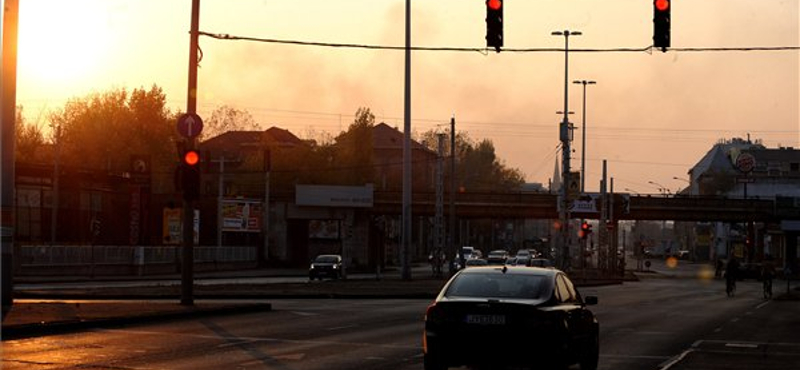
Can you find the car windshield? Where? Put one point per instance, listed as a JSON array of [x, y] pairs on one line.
[[492, 285], [326, 259]]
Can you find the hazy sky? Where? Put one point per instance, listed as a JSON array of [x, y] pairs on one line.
[[651, 115]]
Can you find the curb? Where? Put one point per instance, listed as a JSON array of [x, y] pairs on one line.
[[60, 327]]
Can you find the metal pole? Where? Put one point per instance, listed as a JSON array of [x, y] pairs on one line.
[[583, 142], [187, 266], [8, 108], [220, 187], [267, 171], [565, 151], [56, 186], [405, 247], [452, 220]]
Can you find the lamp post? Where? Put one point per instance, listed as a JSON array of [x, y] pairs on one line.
[[661, 188], [564, 133], [583, 133], [632, 191]]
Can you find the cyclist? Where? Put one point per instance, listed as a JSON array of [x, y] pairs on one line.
[[767, 274], [731, 272]]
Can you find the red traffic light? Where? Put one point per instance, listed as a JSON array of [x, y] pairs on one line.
[[662, 5], [191, 157], [494, 4]]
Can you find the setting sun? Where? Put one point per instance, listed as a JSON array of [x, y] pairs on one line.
[[62, 44]]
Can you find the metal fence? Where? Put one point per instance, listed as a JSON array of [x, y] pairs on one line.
[[65, 255]]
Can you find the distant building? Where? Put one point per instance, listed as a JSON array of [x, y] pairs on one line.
[[741, 168], [776, 172]]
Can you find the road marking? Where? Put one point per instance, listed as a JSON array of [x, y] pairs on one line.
[[675, 360], [261, 339], [763, 304], [301, 313], [741, 345], [235, 343], [642, 357]]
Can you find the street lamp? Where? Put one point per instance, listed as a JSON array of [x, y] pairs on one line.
[[632, 191], [564, 135], [583, 133], [661, 188]]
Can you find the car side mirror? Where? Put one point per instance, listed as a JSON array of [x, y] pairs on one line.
[[590, 300]]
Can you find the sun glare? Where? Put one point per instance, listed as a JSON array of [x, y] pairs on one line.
[[61, 43]]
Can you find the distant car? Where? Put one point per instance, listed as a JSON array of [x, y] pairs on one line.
[[476, 262], [326, 265], [540, 262], [468, 252], [526, 310], [497, 257]]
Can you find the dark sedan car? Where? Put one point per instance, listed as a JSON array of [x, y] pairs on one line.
[[534, 312], [326, 265]]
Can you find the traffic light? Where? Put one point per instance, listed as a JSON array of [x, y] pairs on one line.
[[190, 174], [494, 24], [661, 24], [585, 231]]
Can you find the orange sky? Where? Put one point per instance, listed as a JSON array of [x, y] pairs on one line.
[[652, 116]]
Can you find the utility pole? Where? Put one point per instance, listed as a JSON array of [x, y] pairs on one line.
[[565, 129], [8, 110], [187, 265], [267, 170], [405, 244], [452, 220], [221, 190], [439, 218]]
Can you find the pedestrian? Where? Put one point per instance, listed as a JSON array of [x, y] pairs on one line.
[[731, 273]]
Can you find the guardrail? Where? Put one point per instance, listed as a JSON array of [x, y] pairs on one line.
[[79, 255]]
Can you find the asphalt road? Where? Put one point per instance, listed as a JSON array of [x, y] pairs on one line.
[[655, 324]]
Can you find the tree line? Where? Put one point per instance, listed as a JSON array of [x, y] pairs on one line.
[[101, 131]]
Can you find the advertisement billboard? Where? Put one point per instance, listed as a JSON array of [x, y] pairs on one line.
[[242, 215]]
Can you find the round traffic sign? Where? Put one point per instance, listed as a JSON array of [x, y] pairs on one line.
[[745, 162], [190, 125]]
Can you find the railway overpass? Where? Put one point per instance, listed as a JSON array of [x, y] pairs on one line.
[[625, 207]]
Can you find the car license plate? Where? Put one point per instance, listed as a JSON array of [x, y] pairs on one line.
[[486, 319]]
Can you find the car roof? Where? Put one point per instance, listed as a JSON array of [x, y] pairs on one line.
[[516, 270]]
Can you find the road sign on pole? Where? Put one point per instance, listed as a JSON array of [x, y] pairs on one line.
[[190, 125]]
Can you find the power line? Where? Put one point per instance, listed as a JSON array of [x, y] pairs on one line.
[[648, 49]]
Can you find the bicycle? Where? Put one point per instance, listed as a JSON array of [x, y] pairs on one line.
[[730, 287]]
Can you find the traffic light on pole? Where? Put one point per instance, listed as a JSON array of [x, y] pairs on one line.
[[190, 174], [494, 24], [661, 24], [585, 231]]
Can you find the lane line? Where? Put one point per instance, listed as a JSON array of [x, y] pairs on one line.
[[675, 360]]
